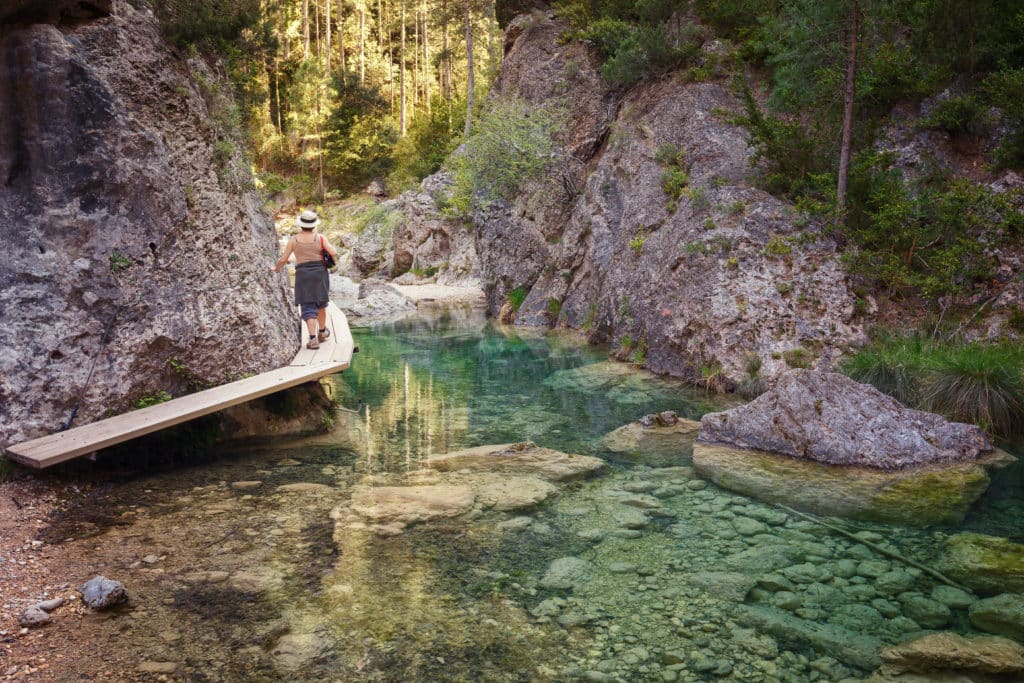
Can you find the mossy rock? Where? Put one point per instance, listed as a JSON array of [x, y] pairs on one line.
[[920, 496], [988, 564], [655, 446]]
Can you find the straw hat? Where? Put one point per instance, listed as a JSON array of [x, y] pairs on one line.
[[308, 220]]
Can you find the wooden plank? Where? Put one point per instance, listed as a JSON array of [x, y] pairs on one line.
[[60, 446]]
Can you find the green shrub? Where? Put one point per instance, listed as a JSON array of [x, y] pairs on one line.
[[511, 143], [962, 114], [640, 352], [380, 218], [207, 22], [516, 297], [637, 244], [797, 358], [783, 287], [554, 307], [777, 246], [712, 377], [119, 262], [1015, 320], [894, 367], [983, 385], [1004, 89], [152, 399]]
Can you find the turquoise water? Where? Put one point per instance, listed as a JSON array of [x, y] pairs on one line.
[[263, 572]]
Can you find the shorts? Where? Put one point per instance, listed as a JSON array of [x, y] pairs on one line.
[[312, 310]]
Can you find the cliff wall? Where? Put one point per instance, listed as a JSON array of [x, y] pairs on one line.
[[135, 248]]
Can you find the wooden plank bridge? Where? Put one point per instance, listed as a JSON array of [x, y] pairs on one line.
[[334, 355]]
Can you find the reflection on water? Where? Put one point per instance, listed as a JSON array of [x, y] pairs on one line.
[[264, 574]]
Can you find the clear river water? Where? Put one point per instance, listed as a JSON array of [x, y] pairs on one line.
[[241, 568]]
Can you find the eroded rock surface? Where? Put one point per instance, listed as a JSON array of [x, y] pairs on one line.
[[707, 279], [829, 418], [136, 248], [952, 652], [519, 458]]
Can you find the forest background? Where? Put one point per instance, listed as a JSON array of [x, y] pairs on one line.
[[333, 94]]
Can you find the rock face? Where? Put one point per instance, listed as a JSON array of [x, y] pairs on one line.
[[829, 418], [135, 248], [988, 564], [439, 247], [707, 279]]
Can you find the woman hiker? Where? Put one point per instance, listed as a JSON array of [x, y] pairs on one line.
[[311, 280]]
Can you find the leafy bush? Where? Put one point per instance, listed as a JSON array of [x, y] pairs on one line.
[[380, 218], [961, 114], [631, 37], [932, 240], [208, 22], [428, 142], [516, 297], [1004, 89], [512, 143], [358, 136]]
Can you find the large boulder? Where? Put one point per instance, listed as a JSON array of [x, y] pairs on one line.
[[829, 418], [824, 443], [919, 496], [133, 236], [988, 564]]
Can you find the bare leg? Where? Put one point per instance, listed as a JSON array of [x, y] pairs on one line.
[[321, 318], [311, 326]]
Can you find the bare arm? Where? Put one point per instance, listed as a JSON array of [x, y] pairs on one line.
[[285, 256]]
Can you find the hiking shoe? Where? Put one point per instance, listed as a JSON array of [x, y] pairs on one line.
[[323, 334], [313, 344]]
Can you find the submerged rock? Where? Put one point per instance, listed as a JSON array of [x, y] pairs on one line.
[[100, 592], [654, 442], [519, 458], [829, 418], [411, 504], [566, 573], [845, 645], [915, 497], [1002, 615], [988, 564], [938, 652]]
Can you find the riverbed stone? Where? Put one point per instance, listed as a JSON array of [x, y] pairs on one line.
[[730, 586], [512, 493], [925, 611], [894, 582], [630, 517], [938, 652], [828, 418], [659, 443], [745, 526], [566, 573], [847, 646], [952, 597], [921, 496], [988, 564], [806, 573], [1002, 615], [100, 593], [411, 504], [33, 616], [295, 650], [523, 458]]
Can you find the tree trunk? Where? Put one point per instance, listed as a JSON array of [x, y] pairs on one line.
[[447, 59], [362, 45], [401, 53], [391, 61], [416, 58], [305, 28], [428, 71], [341, 41], [327, 35], [849, 93], [469, 70]]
